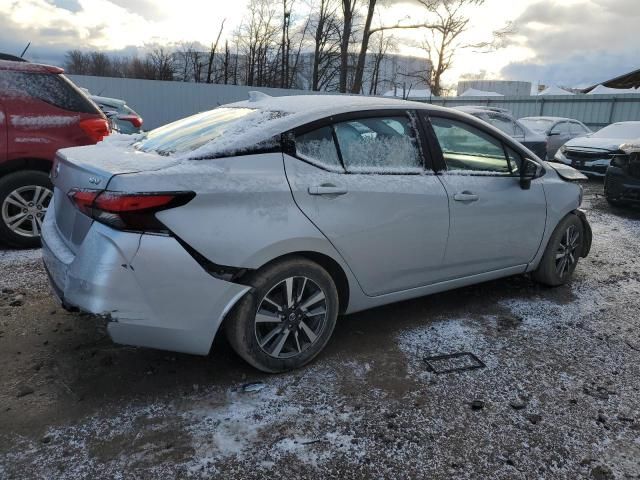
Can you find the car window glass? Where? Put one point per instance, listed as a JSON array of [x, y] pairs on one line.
[[503, 123], [515, 160], [54, 89], [562, 128], [578, 129], [379, 145], [467, 148], [318, 148]]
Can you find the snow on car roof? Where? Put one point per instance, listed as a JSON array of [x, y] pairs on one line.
[[28, 67]]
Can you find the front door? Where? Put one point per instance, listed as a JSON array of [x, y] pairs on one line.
[[362, 182], [495, 224]]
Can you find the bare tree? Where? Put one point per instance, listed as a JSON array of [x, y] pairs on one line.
[[348, 15], [212, 52], [448, 24], [76, 62]]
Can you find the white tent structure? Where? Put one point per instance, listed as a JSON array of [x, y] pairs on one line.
[[555, 90], [472, 92], [602, 90]]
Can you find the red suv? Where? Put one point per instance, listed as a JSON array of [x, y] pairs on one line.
[[41, 111]]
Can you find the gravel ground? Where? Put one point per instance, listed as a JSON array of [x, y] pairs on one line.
[[557, 396]]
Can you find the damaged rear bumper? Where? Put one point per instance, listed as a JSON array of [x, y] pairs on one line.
[[153, 293]]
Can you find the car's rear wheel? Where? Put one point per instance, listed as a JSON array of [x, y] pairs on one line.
[[24, 199], [562, 254], [287, 318]]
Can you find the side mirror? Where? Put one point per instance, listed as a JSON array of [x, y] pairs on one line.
[[528, 171]]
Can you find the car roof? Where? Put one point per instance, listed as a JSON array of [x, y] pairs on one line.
[[326, 104], [28, 67]]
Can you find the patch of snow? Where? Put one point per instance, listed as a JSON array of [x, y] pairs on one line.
[[43, 121], [472, 92]]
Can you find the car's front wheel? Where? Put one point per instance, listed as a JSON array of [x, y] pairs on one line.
[[287, 318], [24, 199], [562, 254]]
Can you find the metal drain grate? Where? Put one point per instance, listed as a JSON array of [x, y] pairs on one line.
[[454, 362]]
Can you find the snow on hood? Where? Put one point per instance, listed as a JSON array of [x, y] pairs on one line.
[[631, 147], [596, 143]]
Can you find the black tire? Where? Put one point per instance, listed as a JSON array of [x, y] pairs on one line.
[[11, 183], [549, 271], [242, 330]]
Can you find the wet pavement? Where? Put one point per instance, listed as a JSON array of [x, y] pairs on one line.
[[555, 395]]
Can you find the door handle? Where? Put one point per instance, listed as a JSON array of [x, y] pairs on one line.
[[465, 196], [327, 189]]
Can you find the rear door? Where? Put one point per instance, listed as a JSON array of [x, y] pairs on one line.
[[494, 223], [361, 180]]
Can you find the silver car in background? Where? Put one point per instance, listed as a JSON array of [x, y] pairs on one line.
[[557, 130], [272, 216]]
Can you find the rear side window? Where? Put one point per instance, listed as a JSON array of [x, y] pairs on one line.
[[468, 149], [54, 89], [379, 145], [577, 128], [317, 147]]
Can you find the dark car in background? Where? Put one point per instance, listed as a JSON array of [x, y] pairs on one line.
[[41, 111], [592, 154], [124, 119], [557, 130], [622, 180], [504, 121]]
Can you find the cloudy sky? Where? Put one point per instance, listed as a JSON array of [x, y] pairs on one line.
[[564, 42]]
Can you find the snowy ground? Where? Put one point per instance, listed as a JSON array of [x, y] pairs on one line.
[[558, 396]]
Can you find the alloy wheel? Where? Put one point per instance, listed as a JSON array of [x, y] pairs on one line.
[[291, 317], [566, 254], [24, 208]]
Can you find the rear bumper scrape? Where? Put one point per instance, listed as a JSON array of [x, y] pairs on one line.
[[152, 292], [588, 234]]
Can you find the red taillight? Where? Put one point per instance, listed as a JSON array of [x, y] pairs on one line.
[[128, 211], [96, 128], [134, 119]]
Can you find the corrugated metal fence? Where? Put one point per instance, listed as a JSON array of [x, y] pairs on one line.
[[162, 102], [594, 110]]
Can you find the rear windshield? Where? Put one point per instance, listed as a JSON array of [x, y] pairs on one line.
[[539, 125], [51, 88], [193, 132], [619, 130]]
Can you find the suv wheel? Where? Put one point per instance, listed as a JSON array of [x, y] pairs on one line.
[[287, 318], [562, 254], [24, 199]]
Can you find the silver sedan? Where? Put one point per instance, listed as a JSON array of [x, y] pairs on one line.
[[273, 216]]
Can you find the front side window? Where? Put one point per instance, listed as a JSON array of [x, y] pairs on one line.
[[468, 149], [379, 145], [561, 128], [317, 147], [578, 129]]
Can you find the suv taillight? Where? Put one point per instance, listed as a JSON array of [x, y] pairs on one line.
[[128, 211], [96, 128], [133, 119]]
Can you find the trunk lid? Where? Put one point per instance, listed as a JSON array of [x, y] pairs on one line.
[[92, 167]]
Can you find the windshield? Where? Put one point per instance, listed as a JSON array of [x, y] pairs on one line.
[[619, 130], [193, 132], [539, 125]]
